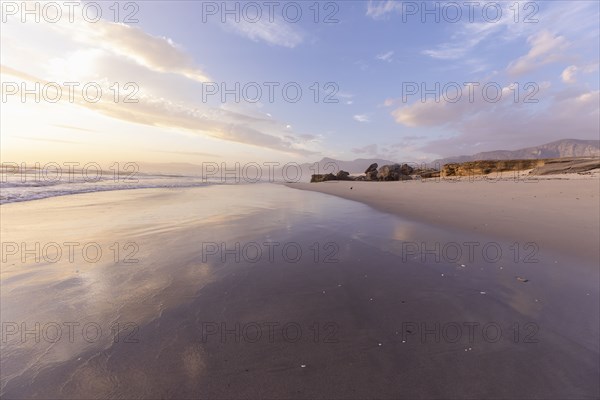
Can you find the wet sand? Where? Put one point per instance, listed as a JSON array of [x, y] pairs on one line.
[[360, 313]]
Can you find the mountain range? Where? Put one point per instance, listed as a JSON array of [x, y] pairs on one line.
[[557, 149]]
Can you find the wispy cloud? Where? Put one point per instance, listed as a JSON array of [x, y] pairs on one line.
[[568, 75], [387, 56], [545, 48], [274, 33], [361, 118], [187, 153], [379, 9], [74, 128], [347, 98]]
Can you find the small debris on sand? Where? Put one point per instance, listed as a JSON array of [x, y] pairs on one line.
[[521, 279]]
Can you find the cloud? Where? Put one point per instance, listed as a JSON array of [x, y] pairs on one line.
[[187, 153], [160, 112], [483, 126], [473, 101], [167, 82], [74, 128], [275, 33], [545, 48], [361, 118], [378, 9], [452, 51], [568, 75], [389, 102], [346, 96], [467, 34], [386, 56], [156, 53]]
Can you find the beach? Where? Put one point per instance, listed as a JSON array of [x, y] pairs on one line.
[[248, 291]]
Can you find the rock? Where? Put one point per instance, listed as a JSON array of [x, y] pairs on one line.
[[340, 176], [372, 167], [344, 176], [393, 173], [322, 178], [360, 178], [406, 169], [388, 172], [371, 176], [426, 173], [545, 166], [472, 168]]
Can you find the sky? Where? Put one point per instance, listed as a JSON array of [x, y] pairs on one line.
[[193, 82]]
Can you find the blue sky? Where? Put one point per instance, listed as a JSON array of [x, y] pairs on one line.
[[369, 51]]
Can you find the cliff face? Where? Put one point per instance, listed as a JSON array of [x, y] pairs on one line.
[[538, 167], [488, 167]]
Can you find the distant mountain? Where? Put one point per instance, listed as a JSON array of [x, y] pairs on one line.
[[558, 149]]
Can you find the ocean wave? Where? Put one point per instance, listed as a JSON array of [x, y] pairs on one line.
[[17, 191]]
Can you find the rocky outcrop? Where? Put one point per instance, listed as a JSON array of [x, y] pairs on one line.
[[404, 172], [395, 172], [386, 173], [392, 172], [389, 173], [488, 167], [426, 173], [372, 167], [340, 176], [371, 176], [343, 176], [322, 178], [537, 167]]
